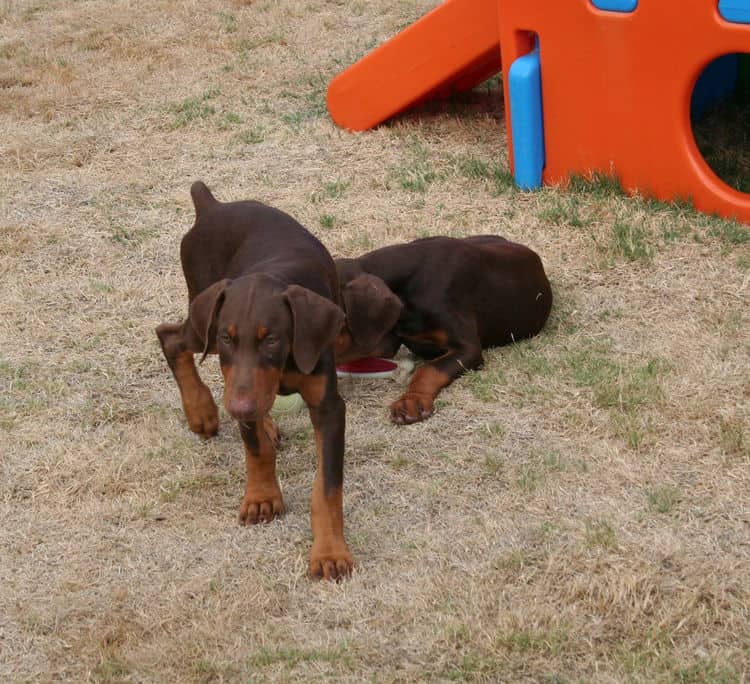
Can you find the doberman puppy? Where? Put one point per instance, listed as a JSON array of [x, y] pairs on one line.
[[453, 298], [263, 294]]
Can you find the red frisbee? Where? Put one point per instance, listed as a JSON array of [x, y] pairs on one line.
[[367, 368]]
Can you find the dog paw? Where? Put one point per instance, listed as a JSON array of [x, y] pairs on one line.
[[202, 414], [261, 509], [331, 562], [411, 408]]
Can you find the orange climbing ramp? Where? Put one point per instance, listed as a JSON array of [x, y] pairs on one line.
[[452, 48]]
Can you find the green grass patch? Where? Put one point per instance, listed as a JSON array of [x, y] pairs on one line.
[[494, 431], [534, 641], [467, 668], [563, 210], [529, 478], [632, 428], [247, 46], [416, 172], [291, 657], [228, 22], [335, 188], [251, 136], [492, 464], [495, 175], [14, 376], [112, 669], [663, 499], [733, 438], [484, 384], [307, 100], [398, 462], [360, 243], [632, 241], [599, 534], [327, 221], [130, 237], [528, 357], [502, 180], [534, 474], [703, 672], [730, 233], [228, 120], [193, 109], [613, 383], [599, 185]]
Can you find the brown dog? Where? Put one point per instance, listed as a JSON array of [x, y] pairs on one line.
[[445, 299], [262, 294]]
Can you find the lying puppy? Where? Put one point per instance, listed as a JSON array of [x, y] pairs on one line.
[[262, 294], [446, 299]]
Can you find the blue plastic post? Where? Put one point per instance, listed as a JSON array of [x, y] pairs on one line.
[[525, 84]]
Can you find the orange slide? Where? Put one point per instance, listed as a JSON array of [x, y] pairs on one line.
[[452, 48]]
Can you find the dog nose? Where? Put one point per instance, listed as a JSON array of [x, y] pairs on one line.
[[242, 407]]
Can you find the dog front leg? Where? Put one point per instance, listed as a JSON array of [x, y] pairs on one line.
[[417, 403], [197, 402], [263, 500], [330, 557]]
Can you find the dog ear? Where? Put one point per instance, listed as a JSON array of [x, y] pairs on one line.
[[316, 322], [371, 310], [202, 197], [204, 310]]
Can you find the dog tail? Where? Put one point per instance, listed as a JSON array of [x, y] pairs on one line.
[[202, 197]]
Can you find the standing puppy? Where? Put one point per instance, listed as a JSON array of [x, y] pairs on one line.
[[262, 294], [445, 299]]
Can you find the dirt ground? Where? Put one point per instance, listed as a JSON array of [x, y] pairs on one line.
[[575, 511]]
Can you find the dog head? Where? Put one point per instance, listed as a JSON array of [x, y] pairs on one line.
[[260, 328], [372, 311]]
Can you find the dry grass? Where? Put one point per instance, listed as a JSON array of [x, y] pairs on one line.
[[577, 511]]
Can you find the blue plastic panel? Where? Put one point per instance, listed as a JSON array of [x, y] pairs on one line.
[[735, 10], [525, 88], [615, 5]]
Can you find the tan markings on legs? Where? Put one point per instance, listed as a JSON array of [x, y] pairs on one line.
[[272, 430], [417, 402], [330, 557], [263, 501], [197, 402]]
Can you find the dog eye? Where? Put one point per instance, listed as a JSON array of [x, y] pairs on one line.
[[225, 338], [271, 341]]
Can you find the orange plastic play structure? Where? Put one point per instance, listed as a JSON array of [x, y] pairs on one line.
[[616, 86], [453, 48]]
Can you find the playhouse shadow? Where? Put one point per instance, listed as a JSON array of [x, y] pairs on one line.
[[486, 99]]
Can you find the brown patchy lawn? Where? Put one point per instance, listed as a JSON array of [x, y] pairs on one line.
[[576, 511]]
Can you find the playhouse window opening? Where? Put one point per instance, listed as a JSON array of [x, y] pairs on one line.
[[720, 118]]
